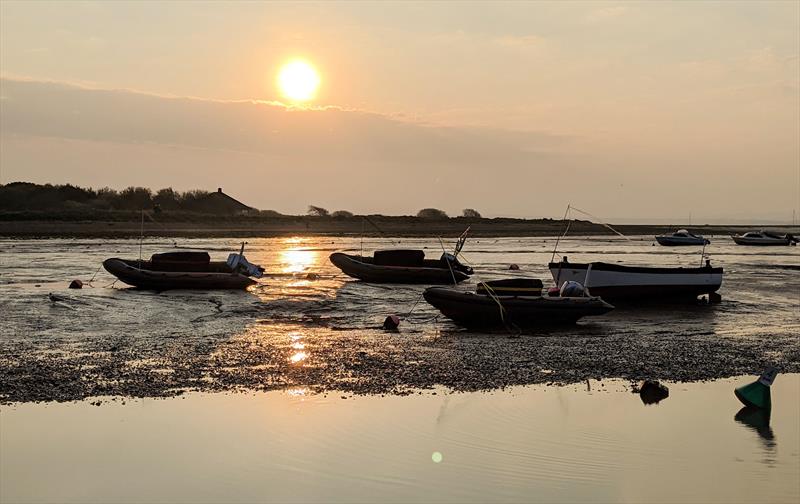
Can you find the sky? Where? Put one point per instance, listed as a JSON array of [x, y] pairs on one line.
[[630, 111]]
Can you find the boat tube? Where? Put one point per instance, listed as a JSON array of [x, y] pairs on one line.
[[471, 309], [402, 267], [183, 270]]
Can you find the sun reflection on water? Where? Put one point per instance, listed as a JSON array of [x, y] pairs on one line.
[[295, 259], [298, 357], [297, 344]]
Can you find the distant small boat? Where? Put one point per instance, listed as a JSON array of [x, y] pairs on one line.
[[184, 270], [402, 267], [639, 283], [764, 238], [511, 302], [681, 237]]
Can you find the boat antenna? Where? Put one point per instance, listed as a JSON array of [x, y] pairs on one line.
[[558, 237], [703, 253], [600, 221], [378, 229], [460, 242], [141, 237], [363, 225], [449, 266]]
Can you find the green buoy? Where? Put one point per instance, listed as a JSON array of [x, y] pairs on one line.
[[756, 394]]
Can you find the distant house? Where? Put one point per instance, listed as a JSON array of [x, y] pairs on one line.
[[221, 204]]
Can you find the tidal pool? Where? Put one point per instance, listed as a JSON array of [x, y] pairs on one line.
[[593, 442]]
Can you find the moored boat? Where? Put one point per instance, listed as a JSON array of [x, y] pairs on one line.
[[639, 283], [681, 237], [402, 267], [764, 238], [184, 270], [507, 305]]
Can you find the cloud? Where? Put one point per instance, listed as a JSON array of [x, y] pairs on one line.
[[321, 148], [604, 14]]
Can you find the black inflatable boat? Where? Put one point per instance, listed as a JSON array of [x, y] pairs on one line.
[[402, 267], [180, 270], [512, 302]]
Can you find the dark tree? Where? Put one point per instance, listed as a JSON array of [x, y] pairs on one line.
[[341, 214], [317, 211], [432, 213], [471, 213], [167, 199], [136, 198]]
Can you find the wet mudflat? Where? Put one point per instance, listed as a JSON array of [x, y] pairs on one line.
[[305, 325], [594, 442]]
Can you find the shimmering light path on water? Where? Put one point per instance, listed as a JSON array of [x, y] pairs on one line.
[[531, 444]]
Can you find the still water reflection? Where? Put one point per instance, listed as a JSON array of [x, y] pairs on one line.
[[533, 444]]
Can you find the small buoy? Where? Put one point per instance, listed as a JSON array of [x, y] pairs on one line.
[[391, 323], [513, 267], [76, 284], [312, 276], [653, 392], [756, 394]]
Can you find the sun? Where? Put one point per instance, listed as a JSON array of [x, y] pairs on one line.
[[298, 81]]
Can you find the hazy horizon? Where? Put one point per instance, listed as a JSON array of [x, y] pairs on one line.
[[632, 111]]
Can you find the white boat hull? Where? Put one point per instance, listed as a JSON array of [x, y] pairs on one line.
[[615, 282]]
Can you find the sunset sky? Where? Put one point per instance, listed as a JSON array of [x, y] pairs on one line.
[[627, 110]]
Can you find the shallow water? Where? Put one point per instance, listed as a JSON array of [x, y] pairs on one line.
[[320, 330], [592, 442]]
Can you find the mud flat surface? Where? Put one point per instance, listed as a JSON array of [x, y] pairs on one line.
[[319, 332]]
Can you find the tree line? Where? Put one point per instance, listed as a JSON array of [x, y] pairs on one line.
[[425, 213], [27, 196], [20, 196]]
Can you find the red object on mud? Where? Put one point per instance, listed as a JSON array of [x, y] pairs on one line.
[[391, 323], [76, 284]]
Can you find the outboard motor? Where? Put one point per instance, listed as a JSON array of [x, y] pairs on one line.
[[238, 263], [457, 266], [572, 288]]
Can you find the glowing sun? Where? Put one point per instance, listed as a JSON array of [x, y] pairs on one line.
[[298, 81]]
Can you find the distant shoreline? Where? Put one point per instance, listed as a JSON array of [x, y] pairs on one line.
[[305, 226]]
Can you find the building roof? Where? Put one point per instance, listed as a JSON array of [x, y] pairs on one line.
[[220, 203]]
